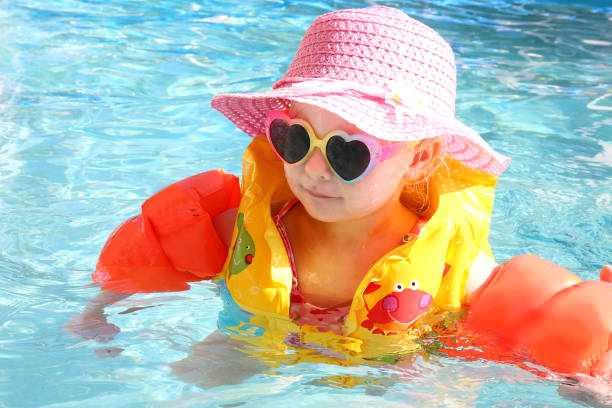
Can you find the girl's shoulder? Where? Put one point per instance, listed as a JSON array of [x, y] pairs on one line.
[[224, 222], [224, 225]]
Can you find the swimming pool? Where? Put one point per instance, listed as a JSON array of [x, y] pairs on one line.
[[102, 103]]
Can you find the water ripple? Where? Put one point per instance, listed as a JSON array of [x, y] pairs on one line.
[[102, 103]]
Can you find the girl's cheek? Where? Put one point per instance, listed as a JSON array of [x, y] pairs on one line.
[[374, 193], [291, 177], [290, 172]]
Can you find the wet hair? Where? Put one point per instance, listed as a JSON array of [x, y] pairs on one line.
[[415, 194]]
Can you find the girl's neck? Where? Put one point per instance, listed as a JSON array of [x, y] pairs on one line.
[[332, 258]]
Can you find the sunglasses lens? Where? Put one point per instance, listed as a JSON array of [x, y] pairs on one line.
[[291, 143], [348, 159]]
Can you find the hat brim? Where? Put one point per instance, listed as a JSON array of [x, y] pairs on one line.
[[373, 116]]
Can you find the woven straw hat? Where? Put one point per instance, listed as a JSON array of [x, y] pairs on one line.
[[390, 75]]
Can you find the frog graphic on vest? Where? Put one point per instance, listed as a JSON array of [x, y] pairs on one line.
[[244, 249]]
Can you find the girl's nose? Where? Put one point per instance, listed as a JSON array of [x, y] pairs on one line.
[[316, 166]]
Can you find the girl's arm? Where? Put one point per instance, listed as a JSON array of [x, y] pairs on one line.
[[218, 360], [181, 236], [91, 323], [481, 270], [563, 322], [224, 224]]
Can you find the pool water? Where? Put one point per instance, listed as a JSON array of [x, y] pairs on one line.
[[102, 103]]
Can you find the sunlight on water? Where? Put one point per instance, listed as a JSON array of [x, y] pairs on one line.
[[102, 103]]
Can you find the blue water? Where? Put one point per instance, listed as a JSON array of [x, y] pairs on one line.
[[102, 103]]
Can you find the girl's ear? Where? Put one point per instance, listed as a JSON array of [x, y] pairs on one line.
[[423, 158]]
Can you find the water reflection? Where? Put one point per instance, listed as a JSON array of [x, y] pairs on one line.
[[104, 103]]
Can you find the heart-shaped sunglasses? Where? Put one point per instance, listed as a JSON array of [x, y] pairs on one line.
[[350, 157]]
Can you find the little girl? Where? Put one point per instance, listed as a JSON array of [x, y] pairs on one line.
[[364, 210]]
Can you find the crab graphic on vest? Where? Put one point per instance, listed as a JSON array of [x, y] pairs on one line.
[[399, 298]]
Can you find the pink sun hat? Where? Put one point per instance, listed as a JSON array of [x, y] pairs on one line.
[[390, 75]]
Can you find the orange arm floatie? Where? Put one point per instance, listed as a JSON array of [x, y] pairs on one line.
[[534, 305], [173, 241]]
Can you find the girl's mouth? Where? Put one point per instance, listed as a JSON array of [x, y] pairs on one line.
[[317, 194]]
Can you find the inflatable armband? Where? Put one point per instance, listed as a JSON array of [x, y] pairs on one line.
[[173, 241], [536, 306]]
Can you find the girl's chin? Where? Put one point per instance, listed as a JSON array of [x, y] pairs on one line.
[[324, 211], [328, 211], [334, 210]]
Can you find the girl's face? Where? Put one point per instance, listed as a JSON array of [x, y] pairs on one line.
[[325, 196]]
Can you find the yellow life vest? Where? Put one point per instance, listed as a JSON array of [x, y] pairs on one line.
[[437, 263]]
